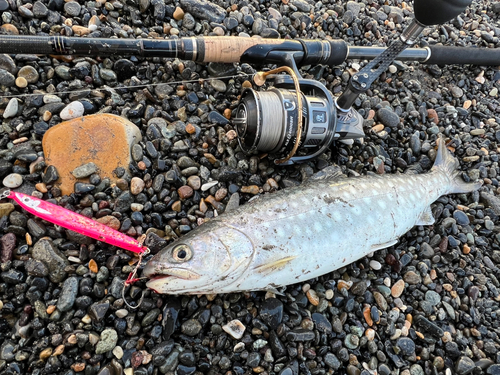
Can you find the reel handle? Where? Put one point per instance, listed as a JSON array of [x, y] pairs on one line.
[[435, 12]]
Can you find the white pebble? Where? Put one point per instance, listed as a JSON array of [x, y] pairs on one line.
[[13, 180], [392, 69], [239, 347], [122, 313], [86, 319], [50, 98], [208, 185], [329, 294], [72, 110], [129, 371], [235, 328], [11, 109], [118, 352], [136, 207], [375, 265]]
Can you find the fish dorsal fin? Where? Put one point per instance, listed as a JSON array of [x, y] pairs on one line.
[[380, 246], [267, 268], [330, 172], [426, 217]]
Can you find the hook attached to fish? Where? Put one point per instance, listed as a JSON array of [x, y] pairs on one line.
[[83, 225]]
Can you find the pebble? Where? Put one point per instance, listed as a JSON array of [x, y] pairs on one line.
[[68, 294], [107, 341], [234, 328], [137, 185], [388, 117], [191, 327], [28, 73], [72, 8], [11, 109], [398, 288], [13, 180], [84, 170], [72, 110]]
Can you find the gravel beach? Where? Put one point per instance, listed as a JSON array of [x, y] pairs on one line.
[[428, 305]]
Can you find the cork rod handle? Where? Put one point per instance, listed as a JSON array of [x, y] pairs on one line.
[[228, 49]]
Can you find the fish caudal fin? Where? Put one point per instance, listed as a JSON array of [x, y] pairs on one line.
[[446, 163]]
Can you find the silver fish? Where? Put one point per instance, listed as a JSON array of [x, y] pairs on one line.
[[302, 232]]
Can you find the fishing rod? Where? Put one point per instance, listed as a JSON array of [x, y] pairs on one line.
[[297, 119], [236, 49]]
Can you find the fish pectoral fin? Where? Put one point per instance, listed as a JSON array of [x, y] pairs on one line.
[[275, 265], [272, 289], [426, 218], [380, 246]]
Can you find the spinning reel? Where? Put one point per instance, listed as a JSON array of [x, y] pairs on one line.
[[298, 119]]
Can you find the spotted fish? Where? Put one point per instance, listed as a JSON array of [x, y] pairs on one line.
[[302, 232]]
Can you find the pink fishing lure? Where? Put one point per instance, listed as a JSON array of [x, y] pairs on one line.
[[76, 222]]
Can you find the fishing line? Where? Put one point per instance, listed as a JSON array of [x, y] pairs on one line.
[[242, 75]]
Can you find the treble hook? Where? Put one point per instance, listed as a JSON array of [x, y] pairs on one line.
[[132, 279]]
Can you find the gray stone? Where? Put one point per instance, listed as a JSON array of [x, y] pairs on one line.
[[72, 8], [68, 294], [40, 10], [56, 262], [191, 327], [388, 117], [107, 342], [6, 78], [406, 345], [464, 366], [302, 5], [332, 361], [432, 297], [204, 10], [7, 63], [115, 288], [84, 170]]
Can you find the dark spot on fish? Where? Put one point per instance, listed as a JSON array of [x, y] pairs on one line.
[[278, 210], [268, 247]]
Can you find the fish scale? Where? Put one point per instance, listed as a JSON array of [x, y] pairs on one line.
[[303, 232]]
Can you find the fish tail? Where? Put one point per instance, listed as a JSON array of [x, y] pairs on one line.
[[446, 163]]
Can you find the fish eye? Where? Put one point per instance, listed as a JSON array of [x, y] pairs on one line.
[[182, 253]]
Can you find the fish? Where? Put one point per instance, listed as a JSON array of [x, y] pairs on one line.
[[299, 233]]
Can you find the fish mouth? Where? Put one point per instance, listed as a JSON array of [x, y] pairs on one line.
[[178, 273]]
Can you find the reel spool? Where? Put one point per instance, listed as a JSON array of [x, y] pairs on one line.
[[267, 121]]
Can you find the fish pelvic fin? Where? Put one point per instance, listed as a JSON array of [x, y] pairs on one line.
[[446, 163], [380, 246], [426, 217]]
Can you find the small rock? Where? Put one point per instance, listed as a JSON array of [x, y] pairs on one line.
[[11, 109], [397, 288], [136, 185], [13, 180], [191, 327], [72, 110], [235, 328], [84, 170], [29, 73], [464, 366], [107, 342], [68, 294]]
